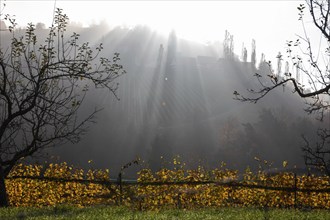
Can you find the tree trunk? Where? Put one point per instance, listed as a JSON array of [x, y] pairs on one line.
[[3, 191]]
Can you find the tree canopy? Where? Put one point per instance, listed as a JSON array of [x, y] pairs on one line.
[[42, 86]]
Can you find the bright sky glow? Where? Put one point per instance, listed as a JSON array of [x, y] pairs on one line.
[[270, 23]]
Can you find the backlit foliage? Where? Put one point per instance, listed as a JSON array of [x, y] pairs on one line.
[[37, 192], [148, 194]]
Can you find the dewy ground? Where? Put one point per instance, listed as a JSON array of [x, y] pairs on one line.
[[102, 212]]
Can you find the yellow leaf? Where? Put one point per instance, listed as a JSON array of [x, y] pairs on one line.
[[285, 163]]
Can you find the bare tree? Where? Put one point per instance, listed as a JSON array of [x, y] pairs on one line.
[[42, 87], [314, 67], [318, 155]]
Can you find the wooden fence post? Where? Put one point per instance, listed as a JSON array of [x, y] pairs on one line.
[[295, 190], [120, 182], [179, 200], [266, 206]]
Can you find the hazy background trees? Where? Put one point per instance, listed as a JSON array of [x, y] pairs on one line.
[[185, 114], [177, 100]]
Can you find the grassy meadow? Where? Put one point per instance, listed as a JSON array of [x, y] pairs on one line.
[[124, 213]]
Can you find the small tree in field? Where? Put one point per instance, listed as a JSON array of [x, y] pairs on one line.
[[314, 67], [42, 86]]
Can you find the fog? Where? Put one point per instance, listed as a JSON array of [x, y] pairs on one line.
[[177, 99]]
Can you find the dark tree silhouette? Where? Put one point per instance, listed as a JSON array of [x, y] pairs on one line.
[[312, 67], [42, 87], [160, 148]]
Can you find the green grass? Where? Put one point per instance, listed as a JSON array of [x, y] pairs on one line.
[[114, 213]]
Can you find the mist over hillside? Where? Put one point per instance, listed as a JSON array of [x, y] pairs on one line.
[[177, 99]]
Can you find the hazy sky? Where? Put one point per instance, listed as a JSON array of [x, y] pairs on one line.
[[271, 23]]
